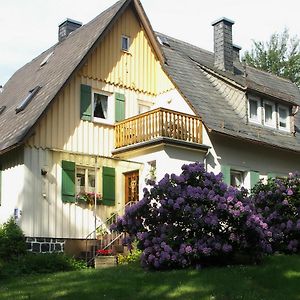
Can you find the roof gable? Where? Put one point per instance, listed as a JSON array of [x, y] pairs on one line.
[[68, 57]]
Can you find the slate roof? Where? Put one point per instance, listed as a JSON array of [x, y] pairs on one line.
[[186, 64], [67, 57]]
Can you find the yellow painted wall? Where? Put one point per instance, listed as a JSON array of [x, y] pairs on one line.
[[139, 69], [137, 75]]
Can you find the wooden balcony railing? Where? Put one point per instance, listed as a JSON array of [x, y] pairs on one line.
[[160, 122]]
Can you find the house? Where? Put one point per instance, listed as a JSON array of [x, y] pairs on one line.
[[113, 104]]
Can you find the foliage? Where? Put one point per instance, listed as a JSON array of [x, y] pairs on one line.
[[88, 198], [276, 278], [12, 240], [39, 263], [193, 219], [278, 201], [133, 256], [280, 56]]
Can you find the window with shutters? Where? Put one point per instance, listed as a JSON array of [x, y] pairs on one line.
[[85, 180], [101, 106], [237, 178]]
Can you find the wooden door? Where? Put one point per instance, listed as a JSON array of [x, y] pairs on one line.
[[131, 186]]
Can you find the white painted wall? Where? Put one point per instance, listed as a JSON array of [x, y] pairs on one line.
[[12, 184]]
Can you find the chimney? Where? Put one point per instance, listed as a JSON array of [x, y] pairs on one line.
[[236, 53], [223, 44], [66, 27]]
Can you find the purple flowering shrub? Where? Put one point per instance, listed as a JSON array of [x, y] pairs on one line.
[[193, 219], [278, 202]]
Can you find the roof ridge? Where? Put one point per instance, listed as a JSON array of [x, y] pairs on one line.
[[269, 73], [183, 42]]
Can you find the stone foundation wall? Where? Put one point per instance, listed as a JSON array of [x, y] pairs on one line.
[[44, 245]]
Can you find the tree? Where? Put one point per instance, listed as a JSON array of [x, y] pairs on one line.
[[280, 56]]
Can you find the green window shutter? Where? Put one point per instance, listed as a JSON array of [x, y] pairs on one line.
[[85, 102], [108, 183], [120, 107], [254, 178], [226, 173], [68, 181]]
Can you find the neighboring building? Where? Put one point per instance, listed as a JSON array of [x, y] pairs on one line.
[[113, 104]]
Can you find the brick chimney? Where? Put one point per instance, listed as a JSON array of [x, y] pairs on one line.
[[236, 53], [223, 47], [66, 27]]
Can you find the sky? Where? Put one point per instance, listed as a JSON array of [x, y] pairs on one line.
[[28, 27]]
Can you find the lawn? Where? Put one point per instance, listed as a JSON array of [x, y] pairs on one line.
[[277, 278]]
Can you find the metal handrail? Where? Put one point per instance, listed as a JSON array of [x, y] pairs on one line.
[[107, 222]]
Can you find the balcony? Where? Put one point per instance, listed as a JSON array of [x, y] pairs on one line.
[[158, 123]]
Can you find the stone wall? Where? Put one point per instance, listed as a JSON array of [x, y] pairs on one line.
[[44, 245]]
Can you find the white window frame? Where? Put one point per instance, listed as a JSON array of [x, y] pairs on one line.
[[271, 124], [145, 104], [86, 180], [287, 121], [257, 120], [239, 172], [128, 42], [110, 108]]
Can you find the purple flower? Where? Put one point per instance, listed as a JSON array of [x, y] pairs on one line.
[[289, 192]]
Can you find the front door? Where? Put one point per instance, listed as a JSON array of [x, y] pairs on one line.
[[131, 186]]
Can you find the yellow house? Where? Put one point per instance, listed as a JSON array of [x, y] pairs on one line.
[[84, 125], [84, 122]]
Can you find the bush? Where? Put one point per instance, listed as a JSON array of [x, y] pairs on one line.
[[12, 240], [39, 263], [134, 256], [278, 202], [193, 219]]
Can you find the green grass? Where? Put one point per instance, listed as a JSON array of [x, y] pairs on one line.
[[278, 278]]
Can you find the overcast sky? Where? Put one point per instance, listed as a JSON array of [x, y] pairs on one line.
[[29, 27]]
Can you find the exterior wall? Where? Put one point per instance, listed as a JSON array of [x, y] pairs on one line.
[[44, 213], [138, 69], [12, 184], [235, 97], [247, 156], [168, 159]]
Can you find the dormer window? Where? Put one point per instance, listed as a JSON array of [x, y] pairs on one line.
[[125, 43], [254, 111], [283, 117], [269, 114]]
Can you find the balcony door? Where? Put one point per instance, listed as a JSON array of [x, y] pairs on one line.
[[131, 186]]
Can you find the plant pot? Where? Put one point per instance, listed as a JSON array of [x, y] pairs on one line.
[[102, 262]]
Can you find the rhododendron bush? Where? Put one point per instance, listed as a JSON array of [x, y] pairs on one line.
[[194, 219], [278, 202]]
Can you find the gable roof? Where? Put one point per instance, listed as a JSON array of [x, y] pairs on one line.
[[187, 65], [68, 56]]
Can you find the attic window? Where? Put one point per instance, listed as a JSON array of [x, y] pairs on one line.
[[125, 43], [2, 109], [28, 98], [46, 59], [163, 40]]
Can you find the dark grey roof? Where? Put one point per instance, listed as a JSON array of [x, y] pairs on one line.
[[67, 57], [186, 65]]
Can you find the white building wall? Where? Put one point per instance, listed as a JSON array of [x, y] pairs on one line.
[[12, 185]]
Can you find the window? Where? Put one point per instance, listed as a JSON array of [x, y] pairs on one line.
[[27, 99], [254, 111], [125, 43], [264, 112], [283, 117], [269, 114], [236, 178], [85, 180], [100, 106]]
